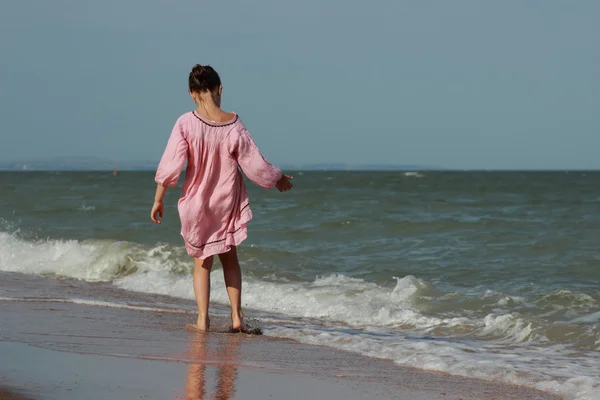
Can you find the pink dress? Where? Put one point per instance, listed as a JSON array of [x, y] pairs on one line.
[[213, 207]]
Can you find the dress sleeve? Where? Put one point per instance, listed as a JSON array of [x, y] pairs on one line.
[[173, 159], [249, 158]]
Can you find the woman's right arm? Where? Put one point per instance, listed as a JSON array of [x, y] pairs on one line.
[[169, 169], [173, 159]]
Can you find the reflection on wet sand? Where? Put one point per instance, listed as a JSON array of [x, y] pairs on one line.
[[225, 356]]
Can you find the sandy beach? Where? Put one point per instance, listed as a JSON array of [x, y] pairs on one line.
[[52, 348]]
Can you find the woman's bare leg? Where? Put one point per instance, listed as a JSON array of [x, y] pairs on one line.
[[202, 290], [233, 282]]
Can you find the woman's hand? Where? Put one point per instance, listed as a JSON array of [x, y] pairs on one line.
[[284, 184], [157, 208]]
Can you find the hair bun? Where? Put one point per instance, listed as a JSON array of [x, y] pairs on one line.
[[203, 78], [198, 69]]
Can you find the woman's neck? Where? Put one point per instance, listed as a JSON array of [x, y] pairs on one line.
[[212, 112], [209, 110]]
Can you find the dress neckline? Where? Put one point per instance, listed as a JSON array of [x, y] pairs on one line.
[[215, 123]]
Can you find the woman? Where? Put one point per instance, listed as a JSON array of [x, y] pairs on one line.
[[213, 207]]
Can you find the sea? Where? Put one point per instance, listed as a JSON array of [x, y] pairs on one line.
[[484, 274]]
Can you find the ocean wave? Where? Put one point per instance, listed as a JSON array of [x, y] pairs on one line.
[[89, 260], [336, 298], [406, 302], [544, 368], [593, 318], [508, 327], [568, 298]]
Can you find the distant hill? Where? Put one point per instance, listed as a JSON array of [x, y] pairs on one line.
[[99, 164], [74, 164]]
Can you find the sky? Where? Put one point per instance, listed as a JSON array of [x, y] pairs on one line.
[[453, 84]]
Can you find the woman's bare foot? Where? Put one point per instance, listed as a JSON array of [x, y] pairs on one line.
[[237, 321], [203, 324], [238, 326]]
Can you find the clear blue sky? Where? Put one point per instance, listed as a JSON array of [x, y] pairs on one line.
[[457, 84]]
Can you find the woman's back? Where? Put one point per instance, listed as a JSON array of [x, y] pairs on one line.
[[210, 162], [214, 207]]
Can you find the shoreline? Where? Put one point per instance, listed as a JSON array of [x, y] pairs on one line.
[[118, 349]]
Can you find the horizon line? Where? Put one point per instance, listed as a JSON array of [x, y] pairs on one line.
[[314, 169]]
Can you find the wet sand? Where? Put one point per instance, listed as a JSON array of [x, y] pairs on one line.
[[51, 349]]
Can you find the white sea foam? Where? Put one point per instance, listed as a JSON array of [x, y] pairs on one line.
[[510, 301], [90, 261], [352, 302], [510, 328], [540, 367], [414, 174]]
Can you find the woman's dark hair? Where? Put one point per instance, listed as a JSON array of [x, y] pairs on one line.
[[204, 77]]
